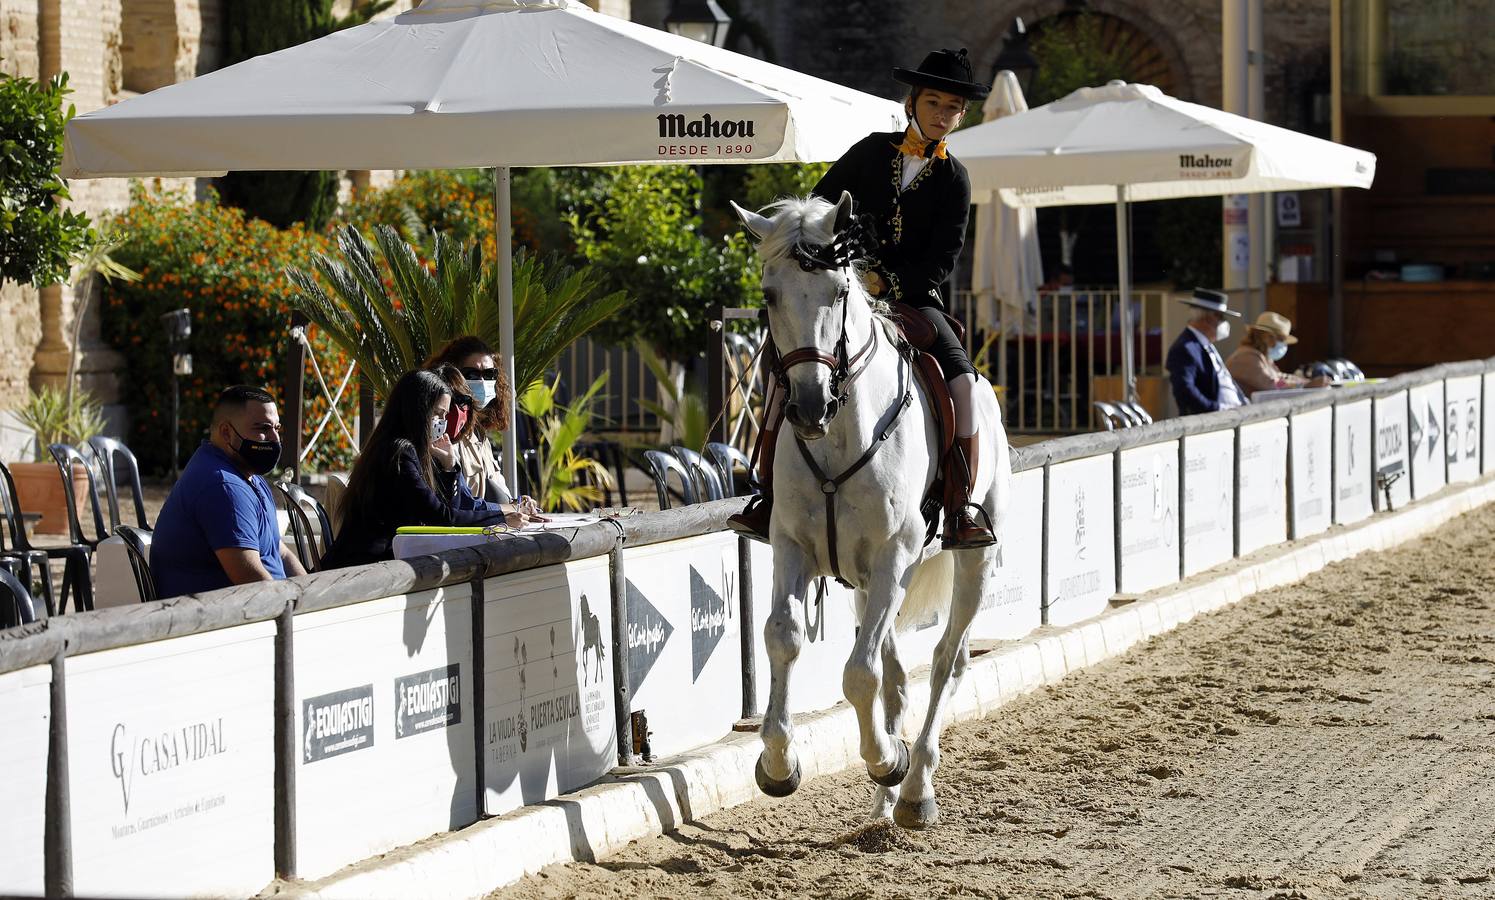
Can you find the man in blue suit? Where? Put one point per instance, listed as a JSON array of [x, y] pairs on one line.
[[1201, 383]]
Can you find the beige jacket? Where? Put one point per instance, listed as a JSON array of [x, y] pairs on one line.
[[476, 460], [1254, 372]]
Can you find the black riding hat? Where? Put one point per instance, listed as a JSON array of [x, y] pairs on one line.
[[944, 70]]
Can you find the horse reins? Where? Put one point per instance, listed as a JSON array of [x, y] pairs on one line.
[[845, 247]]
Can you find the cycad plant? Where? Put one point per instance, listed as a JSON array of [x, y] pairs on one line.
[[567, 479], [390, 317]]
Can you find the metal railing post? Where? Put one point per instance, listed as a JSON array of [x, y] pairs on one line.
[[745, 604], [716, 376], [57, 861], [293, 399], [622, 690], [285, 743]]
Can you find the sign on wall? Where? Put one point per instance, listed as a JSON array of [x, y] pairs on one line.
[[1393, 471], [170, 761], [1487, 451], [1311, 455], [1461, 413], [1148, 494], [1081, 539], [1261, 504], [26, 710], [1012, 605], [1426, 439], [685, 644], [1354, 469], [1209, 500], [384, 726], [548, 704]]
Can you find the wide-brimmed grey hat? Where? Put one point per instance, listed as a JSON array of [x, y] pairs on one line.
[[1214, 301]]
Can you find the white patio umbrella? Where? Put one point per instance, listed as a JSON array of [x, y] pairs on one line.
[[1007, 267], [1126, 142], [479, 83]]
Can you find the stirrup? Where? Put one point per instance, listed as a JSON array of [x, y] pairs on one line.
[[952, 541], [753, 521]]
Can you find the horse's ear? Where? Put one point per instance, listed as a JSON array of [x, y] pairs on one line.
[[757, 225], [843, 212]]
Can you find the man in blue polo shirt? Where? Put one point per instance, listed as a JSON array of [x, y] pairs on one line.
[[218, 527]]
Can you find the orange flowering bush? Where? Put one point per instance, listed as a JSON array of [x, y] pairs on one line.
[[458, 203], [229, 271]]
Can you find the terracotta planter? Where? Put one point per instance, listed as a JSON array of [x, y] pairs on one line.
[[39, 490]]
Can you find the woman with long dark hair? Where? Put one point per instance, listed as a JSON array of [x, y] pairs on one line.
[[490, 391], [402, 477]]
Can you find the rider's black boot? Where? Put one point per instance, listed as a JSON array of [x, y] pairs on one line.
[[962, 530], [753, 520]]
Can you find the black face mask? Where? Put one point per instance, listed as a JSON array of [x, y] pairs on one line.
[[261, 456]]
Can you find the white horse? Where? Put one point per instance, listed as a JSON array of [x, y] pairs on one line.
[[852, 400]]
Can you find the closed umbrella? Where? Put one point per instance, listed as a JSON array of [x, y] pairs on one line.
[[1126, 142], [479, 83], [1007, 265]]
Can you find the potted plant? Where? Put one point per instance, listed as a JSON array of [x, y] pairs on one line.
[[57, 416]]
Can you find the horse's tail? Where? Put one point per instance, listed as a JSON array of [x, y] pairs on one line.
[[929, 592]]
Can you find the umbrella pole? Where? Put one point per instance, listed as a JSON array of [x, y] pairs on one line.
[[503, 228], [1124, 287]]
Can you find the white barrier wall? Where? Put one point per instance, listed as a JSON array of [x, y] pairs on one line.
[[1261, 511], [1461, 413], [1147, 492], [26, 710], [1209, 500], [830, 627], [1487, 424], [1081, 539], [548, 699], [1311, 455], [1426, 435], [172, 766], [1392, 450], [684, 632], [1354, 469], [383, 687], [1013, 605]]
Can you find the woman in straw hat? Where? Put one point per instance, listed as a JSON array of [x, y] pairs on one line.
[[1253, 365], [918, 197]]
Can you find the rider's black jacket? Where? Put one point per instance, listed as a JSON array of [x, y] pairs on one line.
[[917, 249]]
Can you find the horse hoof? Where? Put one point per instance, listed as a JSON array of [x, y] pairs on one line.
[[773, 787], [915, 816], [895, 775]]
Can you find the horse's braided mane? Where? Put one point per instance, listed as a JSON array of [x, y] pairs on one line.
[[809, 220]]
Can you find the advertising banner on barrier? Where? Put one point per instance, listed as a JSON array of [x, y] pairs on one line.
[[1261, 489], [548, 699], [384, 726], [1427, 439], [1209, 500], [1081, 539], [1354, 472], [1147, 492], [1487, 429], [171, 760], [1013, 605], [26, 710], [830, 628], [1461, 413], [684, 633], [1311, 456], [1393, 478]]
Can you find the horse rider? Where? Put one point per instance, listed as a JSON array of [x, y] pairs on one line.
[[919, 198]]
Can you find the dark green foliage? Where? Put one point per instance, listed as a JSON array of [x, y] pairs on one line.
[[38, 238], [1189, 240], [1072, 54]]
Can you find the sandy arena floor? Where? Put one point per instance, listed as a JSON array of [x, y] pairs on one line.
[[1331, 739]]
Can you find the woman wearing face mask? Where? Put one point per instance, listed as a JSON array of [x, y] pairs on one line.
[[1253, 365], [399, 478], [478, 366]]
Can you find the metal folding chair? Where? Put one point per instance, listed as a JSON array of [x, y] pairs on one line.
[[661, 464], [1110, 416], [1138, 413], [113, 455], [140, 560], [727, 459], [708, 480]]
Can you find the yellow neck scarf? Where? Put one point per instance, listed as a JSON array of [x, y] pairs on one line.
[[914, 145]]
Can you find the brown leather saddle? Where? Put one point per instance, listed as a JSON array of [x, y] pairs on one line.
[[920, 336]]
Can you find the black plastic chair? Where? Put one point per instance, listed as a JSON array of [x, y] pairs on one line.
[[727, 459], [139, 555], [295, 501], [67, 457], [708, 479], [113, 456], [661, 464], [75, 557], [16, 606]]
